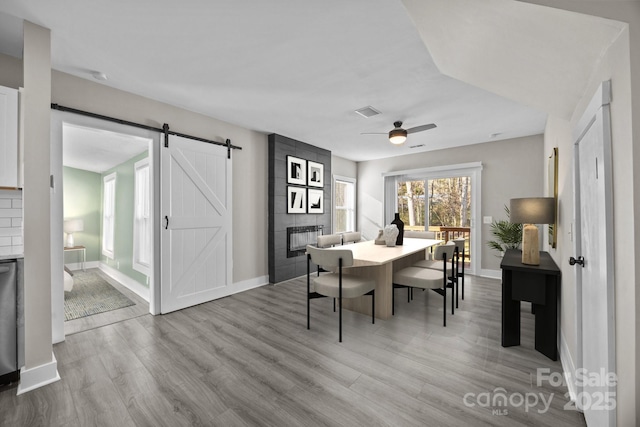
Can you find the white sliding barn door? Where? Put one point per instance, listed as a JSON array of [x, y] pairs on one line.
[[196, 223]]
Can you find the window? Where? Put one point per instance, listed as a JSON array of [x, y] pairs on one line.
[[108, 214], [142, 217], [344, 204]]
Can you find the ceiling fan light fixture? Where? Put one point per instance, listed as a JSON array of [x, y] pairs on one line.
[[397, 136]]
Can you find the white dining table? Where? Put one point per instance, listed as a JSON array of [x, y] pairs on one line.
[[379, 262]]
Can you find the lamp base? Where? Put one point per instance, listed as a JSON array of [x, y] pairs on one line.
[[530, 245], [70, 242]]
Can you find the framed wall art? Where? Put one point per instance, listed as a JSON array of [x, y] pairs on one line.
[[296, 200], [315, 174], [296, 171], [315, 200]]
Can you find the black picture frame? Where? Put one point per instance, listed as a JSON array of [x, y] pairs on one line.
[[315, 201], [296, 171], [315, 174], [296, 200]]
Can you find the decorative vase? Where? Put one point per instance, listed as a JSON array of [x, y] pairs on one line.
[[380, 239], [398, 222], [391, 234]]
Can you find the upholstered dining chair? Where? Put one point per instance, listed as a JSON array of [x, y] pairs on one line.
[[414, 234], [351, 237], [460, 242], [427, 278], [439, 264], [327, 241], [336, 285]]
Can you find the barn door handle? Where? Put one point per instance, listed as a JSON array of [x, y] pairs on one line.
[[166, 218], [574, 261]]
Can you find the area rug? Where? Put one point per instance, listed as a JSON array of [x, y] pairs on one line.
[[91, 295]]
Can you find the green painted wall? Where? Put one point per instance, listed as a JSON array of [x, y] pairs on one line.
[[123, 239], [82, 200]]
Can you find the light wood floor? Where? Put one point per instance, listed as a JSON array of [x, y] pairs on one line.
[[249, 360]]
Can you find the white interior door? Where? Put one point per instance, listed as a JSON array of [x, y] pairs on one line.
[[196, 224], [594, 209]]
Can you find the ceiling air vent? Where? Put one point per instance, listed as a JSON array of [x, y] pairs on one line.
[[416, 146], [367, 112]]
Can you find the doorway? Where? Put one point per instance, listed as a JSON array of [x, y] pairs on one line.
[[86, 154], [593, 207]]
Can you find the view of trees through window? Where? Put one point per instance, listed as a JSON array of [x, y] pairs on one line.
[[435, 202]]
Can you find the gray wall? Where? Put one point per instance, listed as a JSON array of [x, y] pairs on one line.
[[511, 168], [280, 267]]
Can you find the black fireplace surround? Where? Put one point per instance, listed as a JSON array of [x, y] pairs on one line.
[[283, 263]]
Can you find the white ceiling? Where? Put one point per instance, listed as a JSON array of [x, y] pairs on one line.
[[300, 69], [98, 150]]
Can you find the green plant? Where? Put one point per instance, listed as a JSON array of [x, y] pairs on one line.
[[507, 235]]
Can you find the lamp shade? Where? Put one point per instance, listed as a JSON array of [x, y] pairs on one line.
[[73, 225], [532, 210], [397, 136]]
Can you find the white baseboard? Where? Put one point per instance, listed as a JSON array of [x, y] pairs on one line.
[[568, 368], [31, 379], [492, 274], [140, 290], [73, 266], [256, 282]]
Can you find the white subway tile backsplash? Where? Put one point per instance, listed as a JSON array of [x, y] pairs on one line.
[[10, 213], [11, 240]]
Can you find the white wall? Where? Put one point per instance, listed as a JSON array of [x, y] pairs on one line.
[[344, 167], [621, 64], [511, 168]]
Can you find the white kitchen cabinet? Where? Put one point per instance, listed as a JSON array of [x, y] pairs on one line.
[[8, 137]]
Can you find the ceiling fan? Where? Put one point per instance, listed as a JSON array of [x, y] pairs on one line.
[[398, 135]]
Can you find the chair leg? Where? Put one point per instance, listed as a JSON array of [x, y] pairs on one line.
[[308, 290], [408, 294], [334, 305], [444, 292], [462, 275], [373, 306], [393, 300], [340, 316]]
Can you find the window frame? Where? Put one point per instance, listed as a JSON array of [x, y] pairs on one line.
[[109, 218], [351, 211], [138, 263]]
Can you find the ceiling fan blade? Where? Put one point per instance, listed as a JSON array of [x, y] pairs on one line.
[[421, 128]]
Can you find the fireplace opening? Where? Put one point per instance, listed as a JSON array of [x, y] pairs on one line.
[[299, 237]]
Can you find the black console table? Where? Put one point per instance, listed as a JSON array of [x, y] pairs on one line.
[[538, 284]]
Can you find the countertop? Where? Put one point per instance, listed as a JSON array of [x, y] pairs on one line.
[[13, 256]]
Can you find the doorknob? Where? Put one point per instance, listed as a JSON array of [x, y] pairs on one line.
[[574, 261]]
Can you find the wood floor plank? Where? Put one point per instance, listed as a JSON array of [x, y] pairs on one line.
[[248, 360]]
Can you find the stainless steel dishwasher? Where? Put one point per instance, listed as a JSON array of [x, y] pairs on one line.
[[9, 370]]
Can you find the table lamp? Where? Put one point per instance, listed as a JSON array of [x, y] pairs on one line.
[[70, 227], [529, 212]]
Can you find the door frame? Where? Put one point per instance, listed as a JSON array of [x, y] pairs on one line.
[[58, 118], [600, 100], [473, 170]]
